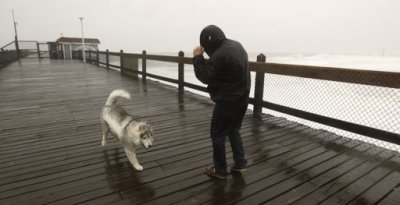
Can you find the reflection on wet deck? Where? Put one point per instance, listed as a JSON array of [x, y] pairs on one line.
[[50, 150]]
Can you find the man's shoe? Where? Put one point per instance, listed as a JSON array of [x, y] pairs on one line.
[[238, 169], [210, 170]]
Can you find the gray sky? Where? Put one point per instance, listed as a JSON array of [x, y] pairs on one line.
[[294, 26]]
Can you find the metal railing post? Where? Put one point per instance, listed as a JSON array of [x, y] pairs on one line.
[[259, 89]]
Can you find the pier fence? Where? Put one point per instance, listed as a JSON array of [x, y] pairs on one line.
[[361, 104]]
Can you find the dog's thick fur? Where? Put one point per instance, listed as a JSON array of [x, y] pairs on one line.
[[130, 133]]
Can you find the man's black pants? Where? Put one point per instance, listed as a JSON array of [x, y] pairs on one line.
[[226, 121]]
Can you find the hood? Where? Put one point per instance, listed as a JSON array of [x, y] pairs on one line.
[[211, 38]]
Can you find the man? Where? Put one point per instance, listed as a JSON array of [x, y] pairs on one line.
[[228, 78]]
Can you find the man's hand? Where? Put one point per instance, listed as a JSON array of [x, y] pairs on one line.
[[198, 51]]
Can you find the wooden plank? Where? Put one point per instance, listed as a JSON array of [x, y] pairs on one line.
[[379, 191], [202, 192], [393, 197], [288, 169], [285, 191], [365, 152], [334, 186], [174, 174], [362, 184]]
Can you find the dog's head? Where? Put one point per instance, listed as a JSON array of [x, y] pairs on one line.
[[145, 133]]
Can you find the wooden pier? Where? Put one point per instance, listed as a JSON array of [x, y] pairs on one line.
[[51, 153]]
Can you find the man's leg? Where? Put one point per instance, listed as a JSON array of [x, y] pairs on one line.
[[220, 125], [234, 135]]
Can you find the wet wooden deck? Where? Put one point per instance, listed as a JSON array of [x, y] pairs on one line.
[[50, 150]]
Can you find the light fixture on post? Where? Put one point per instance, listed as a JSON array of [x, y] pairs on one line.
[[83, 41]]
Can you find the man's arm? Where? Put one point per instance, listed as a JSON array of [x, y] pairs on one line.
[[205, 71]]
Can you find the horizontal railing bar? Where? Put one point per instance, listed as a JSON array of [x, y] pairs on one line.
[[196, 87], [113, 53], [133, 72], [29, 49], [348, 126], [173, 59], [8, 44], [114, 66], [27, 41], [162, 78], [365, 77]]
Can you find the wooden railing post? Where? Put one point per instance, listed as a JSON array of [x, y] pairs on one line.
[[144, 69], [17, 47], [107, 60], [38, 50], [181, 75], [259, 89], [121, 61], [97, 57]]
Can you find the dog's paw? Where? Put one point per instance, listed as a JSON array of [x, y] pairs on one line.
[[139, 168], [103, 143]]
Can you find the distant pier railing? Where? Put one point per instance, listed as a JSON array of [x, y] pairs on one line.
[[8, 54], [362, 102], [28, 49], [7, 57]]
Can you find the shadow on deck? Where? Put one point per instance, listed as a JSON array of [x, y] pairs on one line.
[[50, 150]]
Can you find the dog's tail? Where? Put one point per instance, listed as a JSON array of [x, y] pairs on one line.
[[115, 95]]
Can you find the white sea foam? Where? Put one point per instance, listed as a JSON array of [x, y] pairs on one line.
[[362, 62]]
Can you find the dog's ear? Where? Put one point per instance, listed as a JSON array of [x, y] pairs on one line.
[[150, 128], [142, 127]]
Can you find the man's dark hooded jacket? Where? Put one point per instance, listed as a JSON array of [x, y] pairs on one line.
[[226, 72]]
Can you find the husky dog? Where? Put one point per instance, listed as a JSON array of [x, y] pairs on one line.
[[130, 133]]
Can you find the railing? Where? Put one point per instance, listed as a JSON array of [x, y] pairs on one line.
[[8, 54], [366, 103], [29, 49], [7, 57], [33, 49]]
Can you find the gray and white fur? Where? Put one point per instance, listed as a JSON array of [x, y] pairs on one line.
[[130, 133]]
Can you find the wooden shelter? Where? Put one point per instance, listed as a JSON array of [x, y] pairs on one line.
[[63, 47]]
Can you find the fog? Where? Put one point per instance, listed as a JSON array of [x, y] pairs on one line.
[[269, 26]]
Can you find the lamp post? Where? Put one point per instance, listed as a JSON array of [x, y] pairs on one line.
[[83, 41], [16, 35]]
